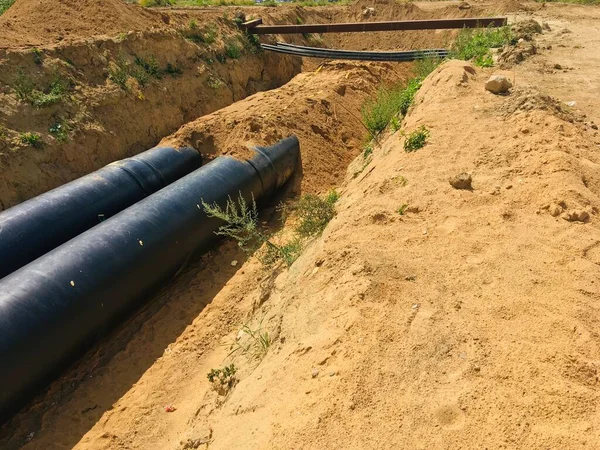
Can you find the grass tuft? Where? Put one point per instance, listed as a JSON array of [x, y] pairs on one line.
[[223, 379], [32, 139], [252, 343], [416, 140], [26, 90], [240, 222], [315, 213], [389, 103], [5, 4], [475, 44], [60, 131], [38, 56], [232, 51], [402, 209], [153, 3]]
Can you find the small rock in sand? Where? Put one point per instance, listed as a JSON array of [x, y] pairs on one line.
[[498, 84], [461, 181]]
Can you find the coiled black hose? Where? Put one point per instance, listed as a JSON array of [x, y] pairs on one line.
[[315, 52]]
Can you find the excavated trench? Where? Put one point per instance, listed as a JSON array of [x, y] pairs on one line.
[[201, 99]]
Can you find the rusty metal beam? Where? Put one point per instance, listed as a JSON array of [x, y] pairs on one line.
[[251, 23], [438, 24]]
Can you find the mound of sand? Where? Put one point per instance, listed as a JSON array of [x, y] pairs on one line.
[[36, 22]]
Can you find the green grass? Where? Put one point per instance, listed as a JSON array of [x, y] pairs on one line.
[[23, 85], [5, 4], [210, 35], [416, 140], [251, 342], [387, 103], [149, 66], [60, 131], [26, 90], [142, 70], [232, 51], [118, 72], [54, 94], [391, 102], [402, 209], [314, 213], [153, 3], [223, 379], [214, 82], [476, 44], [38, 56], [198, 35], [32, 139], [253, 43], [173, 70], [240, 222]]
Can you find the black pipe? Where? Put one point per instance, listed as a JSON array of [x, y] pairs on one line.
[[56, 307], [399, 54], [312, 52], [406, 52], [36, 226]]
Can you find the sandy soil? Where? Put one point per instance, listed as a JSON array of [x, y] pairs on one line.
[[468, 322]]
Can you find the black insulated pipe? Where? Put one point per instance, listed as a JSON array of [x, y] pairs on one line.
[[36, 226], [55, 307], [314, 52]]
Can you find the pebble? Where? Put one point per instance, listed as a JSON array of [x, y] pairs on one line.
[[571, 103], [315, 373], [234, 263]]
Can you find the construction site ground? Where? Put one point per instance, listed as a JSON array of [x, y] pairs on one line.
[[424, 316]]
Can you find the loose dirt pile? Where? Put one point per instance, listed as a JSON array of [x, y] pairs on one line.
[[322, 108], [31, 22], [468, 320]]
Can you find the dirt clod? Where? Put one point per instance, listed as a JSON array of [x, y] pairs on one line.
[[576, 216], [461, 181]]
